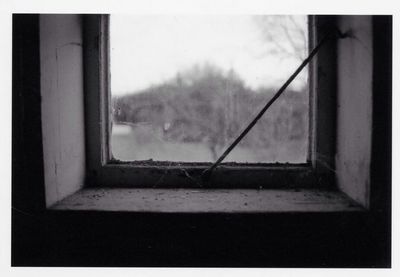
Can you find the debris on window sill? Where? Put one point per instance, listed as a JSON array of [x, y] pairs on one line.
[[207, 200]]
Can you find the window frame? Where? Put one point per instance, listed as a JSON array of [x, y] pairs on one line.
[[317, 172]]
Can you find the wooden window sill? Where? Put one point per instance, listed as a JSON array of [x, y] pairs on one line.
[[207, 201]]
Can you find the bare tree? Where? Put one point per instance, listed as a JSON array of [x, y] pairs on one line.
[[284, 35]]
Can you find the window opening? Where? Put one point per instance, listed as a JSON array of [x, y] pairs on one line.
[[184, 87]]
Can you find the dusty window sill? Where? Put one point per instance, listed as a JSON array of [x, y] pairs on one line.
[[207, 201]]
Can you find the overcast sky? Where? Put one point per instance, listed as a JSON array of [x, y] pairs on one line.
[[147, 50]]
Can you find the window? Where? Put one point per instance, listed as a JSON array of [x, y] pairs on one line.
[[114, 170], [183, 87]]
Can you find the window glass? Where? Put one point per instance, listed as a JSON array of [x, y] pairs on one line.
[[184, 87]]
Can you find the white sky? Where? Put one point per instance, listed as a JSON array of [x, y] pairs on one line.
[[149, 49]]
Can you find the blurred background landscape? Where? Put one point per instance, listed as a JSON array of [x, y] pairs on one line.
[[192, 109]]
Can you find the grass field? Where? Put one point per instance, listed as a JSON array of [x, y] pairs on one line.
[[145, 144]]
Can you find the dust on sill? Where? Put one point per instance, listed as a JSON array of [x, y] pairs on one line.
[[207, 200]]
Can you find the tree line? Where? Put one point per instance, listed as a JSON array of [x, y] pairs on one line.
[[207, 105]]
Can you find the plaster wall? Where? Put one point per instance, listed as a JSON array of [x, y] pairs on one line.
[[354, 114], [62, 105]]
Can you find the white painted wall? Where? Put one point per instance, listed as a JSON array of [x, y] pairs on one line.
[[354, 121], [62, 104]]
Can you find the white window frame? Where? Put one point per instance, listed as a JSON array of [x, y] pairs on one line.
[[317, 172]]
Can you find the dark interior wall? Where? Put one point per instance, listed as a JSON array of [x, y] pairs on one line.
[[382, 119], [27, 154], [274, 240], [50, 238]]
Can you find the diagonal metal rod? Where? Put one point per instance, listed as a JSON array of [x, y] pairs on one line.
[[209, 170]]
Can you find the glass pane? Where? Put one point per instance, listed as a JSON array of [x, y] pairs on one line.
[[184, 87]]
